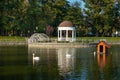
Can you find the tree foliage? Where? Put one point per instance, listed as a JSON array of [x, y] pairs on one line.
[[25, 17], [102, 16]]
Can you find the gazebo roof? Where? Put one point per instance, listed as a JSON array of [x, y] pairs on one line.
[[66, 24]]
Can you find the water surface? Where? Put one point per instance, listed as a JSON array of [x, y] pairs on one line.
[[16, 63]]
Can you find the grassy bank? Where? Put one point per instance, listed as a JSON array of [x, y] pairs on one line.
[[12, 39], [79, 39], [96, 39], [112, 40]]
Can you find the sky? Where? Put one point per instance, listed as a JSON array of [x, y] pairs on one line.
[[73, 0], [82, 3]]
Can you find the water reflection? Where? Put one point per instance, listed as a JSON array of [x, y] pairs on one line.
[[35, 59], [46, 68], [66, 60], [31, 53], [16, 63], [102, 59], [74, 64], [46, 55]]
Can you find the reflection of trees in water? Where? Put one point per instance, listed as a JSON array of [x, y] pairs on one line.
[[81, 64], [46, 68]]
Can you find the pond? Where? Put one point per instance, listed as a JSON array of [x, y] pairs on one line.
[[16, 63]]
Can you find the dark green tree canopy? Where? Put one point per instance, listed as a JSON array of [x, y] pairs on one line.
[[25, 17], [103, 16]]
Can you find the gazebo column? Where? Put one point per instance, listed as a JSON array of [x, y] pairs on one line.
[[75, 35], [72, 35], [66, 35], [60, 34]]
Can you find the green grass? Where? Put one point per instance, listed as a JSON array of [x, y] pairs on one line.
[[12, 39], [79, 39], [96, 39]]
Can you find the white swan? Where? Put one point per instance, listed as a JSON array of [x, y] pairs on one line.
[[35, 58]]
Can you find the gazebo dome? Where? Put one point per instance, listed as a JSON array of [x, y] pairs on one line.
[[66, 24]]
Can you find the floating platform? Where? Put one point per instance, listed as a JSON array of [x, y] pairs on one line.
[[102, 47]]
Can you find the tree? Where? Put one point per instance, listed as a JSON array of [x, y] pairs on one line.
[[75, 15], [116, 11], [100, 16], [12, 13], [53, 12], [33, 17]]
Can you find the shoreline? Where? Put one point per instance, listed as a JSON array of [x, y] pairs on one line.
[[80, 42], [58, 45], [13, 43], [52, 44]]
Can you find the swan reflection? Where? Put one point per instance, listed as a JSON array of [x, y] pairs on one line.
[[38, 56], [66, 60], [33, 56], [35, 59]]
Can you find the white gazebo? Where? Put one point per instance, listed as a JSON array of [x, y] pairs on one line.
[[66, 31]]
